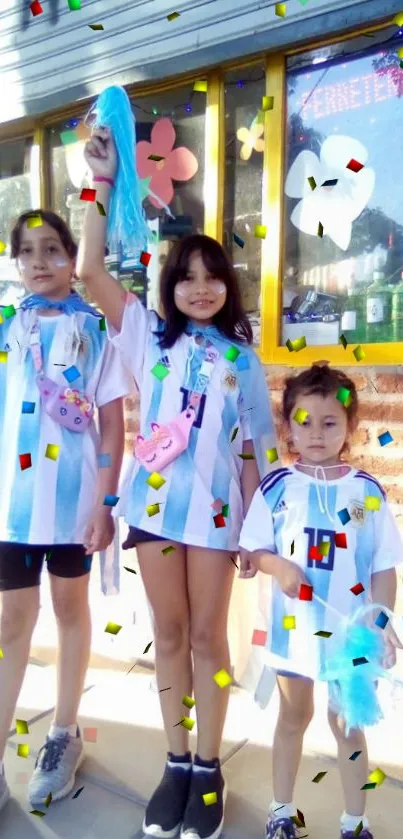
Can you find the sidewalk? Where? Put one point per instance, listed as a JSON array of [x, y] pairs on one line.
[[125, 763]]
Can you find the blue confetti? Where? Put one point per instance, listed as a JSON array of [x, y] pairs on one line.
[[238, 240], [344, 516], [28, 407], [71, 374], [382, 620], [242, 363], [385, 438], [28, 560], [111, 500]]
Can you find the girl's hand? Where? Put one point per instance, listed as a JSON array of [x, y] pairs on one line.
[[100, 532], [247, 569], [392, 643], [100, 153], [289, 577]]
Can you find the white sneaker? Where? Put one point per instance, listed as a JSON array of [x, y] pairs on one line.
[[4, 790]]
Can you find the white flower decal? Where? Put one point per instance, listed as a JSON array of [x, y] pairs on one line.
[[337, 205]]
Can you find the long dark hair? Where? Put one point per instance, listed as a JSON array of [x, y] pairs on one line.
[[231, 320], [54, 221]]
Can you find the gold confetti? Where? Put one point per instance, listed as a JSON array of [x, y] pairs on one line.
[[260, 231], [222, 678], [188, 701], [21, 726], [272, 455], [187, 723], [23, 750], [3, 247], [112, 628], [210, 798], [173, 16], [377, 776], [300, 416], [34, 221], [155, 480], [359, 353], [3, 354], [200, 86], [289, 622], [267, 103], [280, 9], [52, 451], [372, 502], [153, 509]]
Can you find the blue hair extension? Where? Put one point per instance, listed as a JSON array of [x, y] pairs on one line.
[[127, 227]]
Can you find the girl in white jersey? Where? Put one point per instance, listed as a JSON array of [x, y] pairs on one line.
[[296, 510], [204, 406], [56, 472]]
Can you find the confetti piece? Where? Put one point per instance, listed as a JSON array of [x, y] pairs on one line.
[[210, 798], [52, 451], [102, 325], [1, 653], [385, 438], [200, 86], [377, 776], [222, 678], [359, 353], [168, 550], [260, 231], [48, 800], [323, 634], [319, 777], [100, 208], [96, 27], [354, 165], [305, 592], [146, 649], [315, 554], [110, 500], [219, 520], [372, 502], [90, 735], [76, 794], [3, 247], [299, 819], [247, 456], [259, 637], [28, 407], [320, 230], [355, 755], [344, 396], [173, 16], [23, 750], [238, 240], [331, 182], [71, 374], [155, 157], [3, 358], [232, 353], [74, 5], [358, 829], [21, 726], [340, 540], [369, 786], [68, 138], [382, 620], [87, 563], [289, 622], [300, 416], [360, 660], [104, 460], [233, 560], [343, 340], [88, 194], [25, 461], [267, 103], [225, 510], [112, 628], [357, 589], [160, 371], [324, 548], [9, 311], [162, 689], [187, 723], [280, 9], [296, 345], [312, 182], [242, 363], [155, 480], [153, 510], [292, 547], [234, 433], [398, 19], [132, 571], [145, 258], [188, 701], [37, 813], [217, 505], [344, 515], [272, 455], [28, 561]]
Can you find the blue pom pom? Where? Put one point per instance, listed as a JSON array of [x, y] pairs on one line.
[[127, 227]]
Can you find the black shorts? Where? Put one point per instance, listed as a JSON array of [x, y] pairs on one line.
[[136, 536], [21, 565]]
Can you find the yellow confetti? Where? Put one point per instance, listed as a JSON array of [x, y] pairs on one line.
[[280, 9], [188, 701], [267, 103], [23, 750], [300, 416], [153, 509], [187, 723], [200, 86], [398, 19], [52, 451], [400, 52], [260, 231], [324, 548], [288, 622], [3, 247], [3, 354], [377, 776], [210, 798], [272, 455], [173, 16], [112, 628], [359, 353], [21, 726], [34, 221], [1, 653], [222, 678], [155, 480], [372, 502]]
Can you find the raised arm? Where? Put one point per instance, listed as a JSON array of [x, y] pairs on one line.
[[100, 154]]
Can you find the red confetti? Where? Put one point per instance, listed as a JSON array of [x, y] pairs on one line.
[[357, 589], [259, 638], [88, 194], [219, 520], [305, 592], [36, 8], [145, 258], [314, 553], [354, 165], [25, 461], [340, 540]]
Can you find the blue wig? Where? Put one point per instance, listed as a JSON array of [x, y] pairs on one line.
[[127, 227]]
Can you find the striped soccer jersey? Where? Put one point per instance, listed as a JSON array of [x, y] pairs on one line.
[[208, 473], [291, 513], [45, 500]]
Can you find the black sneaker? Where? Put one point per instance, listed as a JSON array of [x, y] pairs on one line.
[[164, 812], [201, 820]]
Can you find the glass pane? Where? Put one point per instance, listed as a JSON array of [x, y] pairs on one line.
[[170, 126], [18, 193], [244, 90], [343, 266]]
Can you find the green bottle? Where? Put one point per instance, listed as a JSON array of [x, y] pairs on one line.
[[397, 312], [353, 320], [379, 310]]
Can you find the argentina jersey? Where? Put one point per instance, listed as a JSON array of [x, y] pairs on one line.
[[49, 473], [200, 502], [292, 514]]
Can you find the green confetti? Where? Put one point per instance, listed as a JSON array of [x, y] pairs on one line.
[[232, 354], [100, 208], [145, 651], [247, 456], [312, 182], [160, 371], [74, 5], [323, 634], [320, 230], [96, 27], [37, 813], [319, 777], [102, 325], [168, 550], [68, 137], [234, 433]]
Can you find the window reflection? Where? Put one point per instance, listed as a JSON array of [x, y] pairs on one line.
[[17, 194]]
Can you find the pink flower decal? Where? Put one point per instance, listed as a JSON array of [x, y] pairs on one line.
[[177, 164]]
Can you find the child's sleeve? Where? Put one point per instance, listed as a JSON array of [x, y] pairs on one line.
[[257, 533], [388, 544], [131, 341], [114, 378]]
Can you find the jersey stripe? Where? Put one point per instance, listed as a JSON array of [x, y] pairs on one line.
[[362, 474]]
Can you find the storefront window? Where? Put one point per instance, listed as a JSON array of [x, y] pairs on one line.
[[19, 191], [343, 260], [244, 147], [169, 126]]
